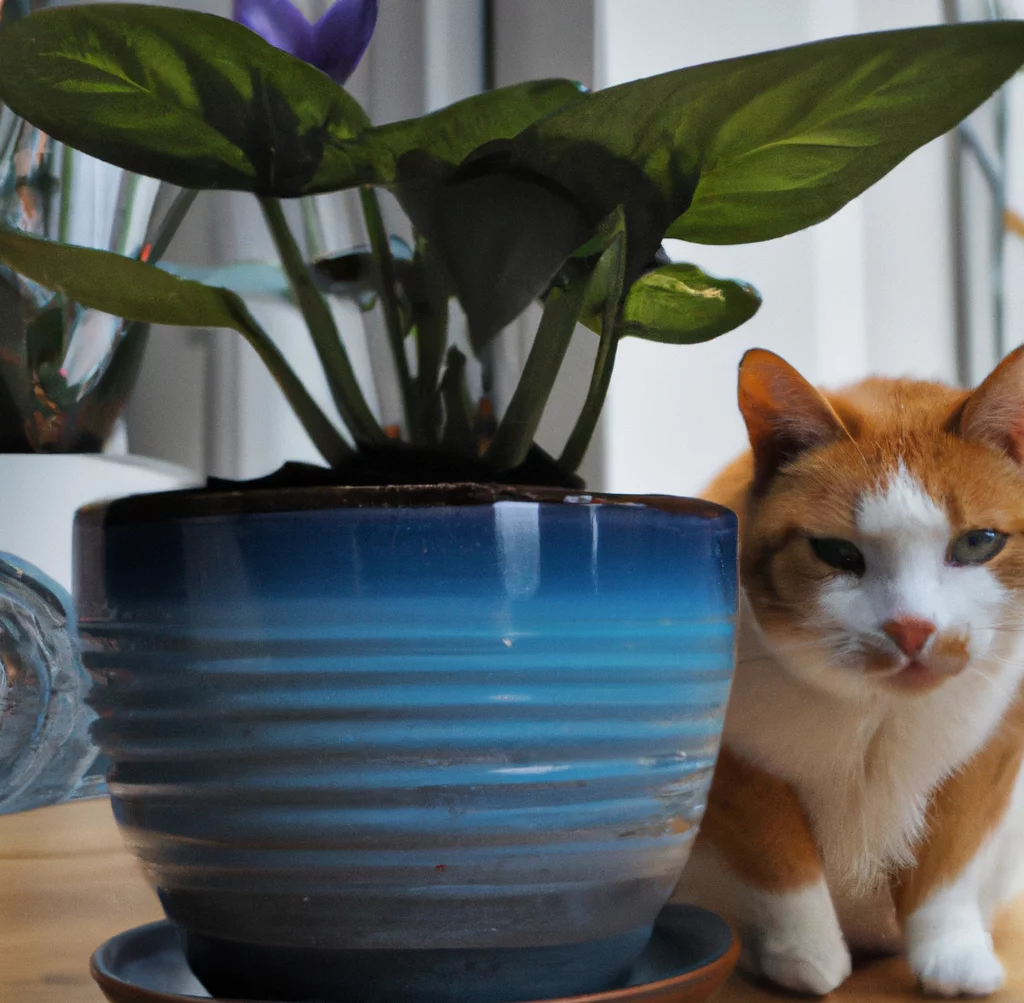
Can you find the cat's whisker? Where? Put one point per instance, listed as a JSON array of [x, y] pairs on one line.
[[1001, 628], [1000, 660]]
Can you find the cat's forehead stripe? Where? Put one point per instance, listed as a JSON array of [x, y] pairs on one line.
[[899, 504]]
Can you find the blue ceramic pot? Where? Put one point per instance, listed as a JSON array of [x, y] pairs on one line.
[[385, 744]]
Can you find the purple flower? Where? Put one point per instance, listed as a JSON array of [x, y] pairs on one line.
[[335, 44]]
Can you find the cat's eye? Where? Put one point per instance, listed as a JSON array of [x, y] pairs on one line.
[[976, 546], [839, 554]]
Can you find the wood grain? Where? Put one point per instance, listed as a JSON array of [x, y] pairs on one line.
[[66, 885]]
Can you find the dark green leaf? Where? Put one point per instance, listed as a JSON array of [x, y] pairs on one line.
[[681, 305], [190, 98], [451, 134], [117, 285], [599, 181], [203, 102], [502, 234], [505, 220], [605, 287], [778, 141]]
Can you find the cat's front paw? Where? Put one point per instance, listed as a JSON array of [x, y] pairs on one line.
[[957, 963], [815, 964]]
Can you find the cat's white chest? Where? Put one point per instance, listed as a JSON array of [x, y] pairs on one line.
[[866, 798], [863, 770]]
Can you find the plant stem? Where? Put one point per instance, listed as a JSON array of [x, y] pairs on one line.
[[458, 425], [428, 298], [583, 431], [611, 271], [325, 436], [172, 220], [341, 378], [519, 424], [67, 174], [9, 125], [387, 286]]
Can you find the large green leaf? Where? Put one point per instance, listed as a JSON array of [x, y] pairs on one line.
[[502, 235], [118, 285], [682, 305], [451, 134], [778, 141], [202, 102], [190, 98]]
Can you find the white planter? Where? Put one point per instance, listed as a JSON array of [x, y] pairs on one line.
[[39, 494]]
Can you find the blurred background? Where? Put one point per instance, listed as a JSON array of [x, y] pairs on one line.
[[922, 276]]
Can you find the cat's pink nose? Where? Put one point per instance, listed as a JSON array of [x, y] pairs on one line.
[[909, 633]]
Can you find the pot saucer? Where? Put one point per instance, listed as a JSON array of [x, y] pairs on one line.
[[687, 959]]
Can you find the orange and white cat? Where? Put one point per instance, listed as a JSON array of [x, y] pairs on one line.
[[868, 795]]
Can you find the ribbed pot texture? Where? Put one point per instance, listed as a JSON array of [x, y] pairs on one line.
[[445, 752]]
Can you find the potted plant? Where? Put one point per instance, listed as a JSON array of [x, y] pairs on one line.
[[434, 719], [66, 370]]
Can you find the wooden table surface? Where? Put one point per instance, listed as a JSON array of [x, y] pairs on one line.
[[66, 885]]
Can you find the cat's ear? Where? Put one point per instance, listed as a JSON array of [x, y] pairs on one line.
[[785, 415], [994, 413]]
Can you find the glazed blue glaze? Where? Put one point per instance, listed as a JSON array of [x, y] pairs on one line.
[[467, 736]]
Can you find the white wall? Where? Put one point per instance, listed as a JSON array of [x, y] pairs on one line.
[[1015, 198], [868, 290]]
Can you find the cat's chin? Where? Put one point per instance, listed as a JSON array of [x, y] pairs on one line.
[[916, 677]]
